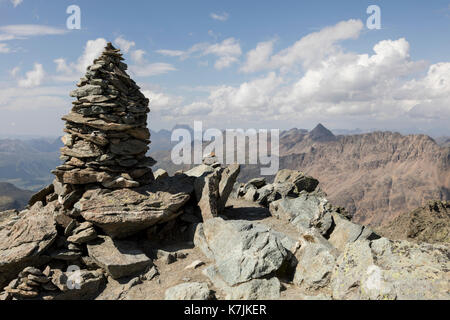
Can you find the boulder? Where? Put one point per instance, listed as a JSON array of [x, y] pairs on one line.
[[264, 193], [78, 285], [346, 231], [189, 291], [118, 258], [242, 250], [384, 269], [209, 201], [298, 179], [255, 289], [304, 212], [22, 243], [124, 212], [227, 181], [315, 262]]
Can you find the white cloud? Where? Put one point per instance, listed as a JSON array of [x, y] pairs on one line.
[[220, 17], [16, 2], [92, 50], [124, 44], [257, 57], [306, 51], [25, 30], [171, 53], [33, 78], [385, 85], [4, 48], [14, 72], [162, 103], [227, 52], [138, 56], [36, 98], [143, 68], [74, 70], [151, 69], [6, 37]]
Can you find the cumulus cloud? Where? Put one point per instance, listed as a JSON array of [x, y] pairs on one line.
[[73, 70], [384, 85], [219, 16], [257, 57], [33, 78], [124, 44], [162, 103], [307, 51]]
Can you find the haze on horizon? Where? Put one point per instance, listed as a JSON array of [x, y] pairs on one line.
[[236, 65]]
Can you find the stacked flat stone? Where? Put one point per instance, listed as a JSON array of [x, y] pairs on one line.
[[106, 137]]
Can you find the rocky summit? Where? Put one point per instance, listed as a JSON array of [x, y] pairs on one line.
[[107, 228]]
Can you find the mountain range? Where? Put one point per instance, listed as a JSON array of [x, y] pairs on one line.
[[376, 176]]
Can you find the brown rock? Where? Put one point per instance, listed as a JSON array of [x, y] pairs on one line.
[[22, 243], [126, 211]]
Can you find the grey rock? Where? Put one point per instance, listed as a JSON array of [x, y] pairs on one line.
[[346, 231], [89, 284], [124, 212], [315, 263], [209, 201], [304, 212], [189, 291], [84, 233], [242, 250], [255, 289], [298, 179], [82, 149], [129, 147], [384, 269], [227, 181], [118, 258], [264, 193], [86, 90], [22, 243]]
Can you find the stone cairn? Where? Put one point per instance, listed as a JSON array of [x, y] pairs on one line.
[[106, 137]]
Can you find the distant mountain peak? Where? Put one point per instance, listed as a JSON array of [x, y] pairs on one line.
[[320, 133]]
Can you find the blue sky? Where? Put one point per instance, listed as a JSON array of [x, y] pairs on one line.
[[260, 64]]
